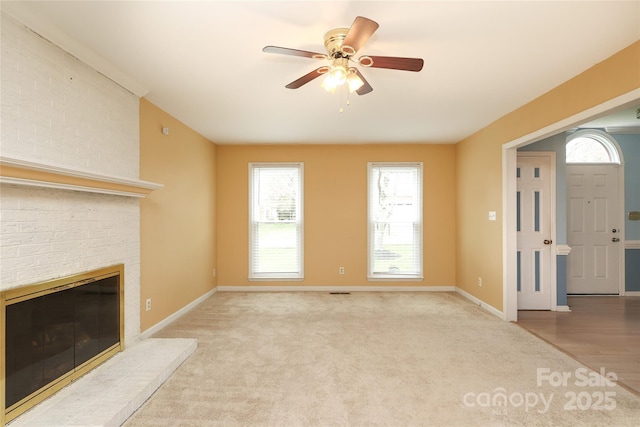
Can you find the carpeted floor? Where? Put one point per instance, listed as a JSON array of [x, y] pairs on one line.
[[369, 358]]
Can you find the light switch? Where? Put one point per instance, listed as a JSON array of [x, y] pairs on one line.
[[492, 215]]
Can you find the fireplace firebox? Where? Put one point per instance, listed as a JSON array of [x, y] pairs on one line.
[[56, 331]]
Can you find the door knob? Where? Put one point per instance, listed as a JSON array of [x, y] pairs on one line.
[[615, 230], [547, 242], [615, 239]]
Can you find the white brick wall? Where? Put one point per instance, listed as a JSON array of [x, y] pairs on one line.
[[53, 233], [58, 111]]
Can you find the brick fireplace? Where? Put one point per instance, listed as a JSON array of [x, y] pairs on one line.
[[69, 167]]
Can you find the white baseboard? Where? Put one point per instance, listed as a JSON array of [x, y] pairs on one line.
[[155, 328], [563, 308], [632, 294], [336, 288], [491, 309]]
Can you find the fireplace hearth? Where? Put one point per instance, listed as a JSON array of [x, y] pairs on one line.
[[56, 331]]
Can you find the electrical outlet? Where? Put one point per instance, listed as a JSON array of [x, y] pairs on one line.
[[341, 270], [214, 272], [148, 305], [479, 281]]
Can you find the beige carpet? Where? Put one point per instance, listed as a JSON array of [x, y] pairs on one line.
[[388, 359]]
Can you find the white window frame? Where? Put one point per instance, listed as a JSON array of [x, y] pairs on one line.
[[401, 276], [279, 276]]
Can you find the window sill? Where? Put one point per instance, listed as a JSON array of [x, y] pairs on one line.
[[391, 278]]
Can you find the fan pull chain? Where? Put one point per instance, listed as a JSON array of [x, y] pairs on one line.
[[343, 91]]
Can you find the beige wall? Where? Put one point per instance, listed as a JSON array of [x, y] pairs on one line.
[[335, 209], [178, 236], [479, 165]]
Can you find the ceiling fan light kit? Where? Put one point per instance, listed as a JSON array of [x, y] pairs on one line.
[[341, 45]]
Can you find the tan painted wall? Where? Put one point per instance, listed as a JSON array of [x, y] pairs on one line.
[[335, 209], [181, 228], [479, 165], [177, 222]]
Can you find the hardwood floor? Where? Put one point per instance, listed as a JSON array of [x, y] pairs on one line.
[[600, 332]]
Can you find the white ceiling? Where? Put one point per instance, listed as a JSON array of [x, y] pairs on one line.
[[202, 61], [626, 120]]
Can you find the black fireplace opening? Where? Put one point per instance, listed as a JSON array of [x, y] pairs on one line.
[[50, 336]]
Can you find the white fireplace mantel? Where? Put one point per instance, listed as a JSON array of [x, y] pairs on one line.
[[33, 174]]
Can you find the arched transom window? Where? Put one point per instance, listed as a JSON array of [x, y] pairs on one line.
[[591, 146]]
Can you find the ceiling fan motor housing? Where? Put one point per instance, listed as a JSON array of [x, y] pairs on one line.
[[333, 42]]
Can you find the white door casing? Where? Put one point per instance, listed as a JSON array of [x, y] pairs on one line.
[[535, 209], [592, 217]]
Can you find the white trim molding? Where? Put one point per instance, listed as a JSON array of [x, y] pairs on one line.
[[632, 244], [563, 308], [491, 309], [623, 129], [563, 250], [155, 328], [632, 294]]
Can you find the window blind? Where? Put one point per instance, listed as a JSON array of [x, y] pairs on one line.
[[275, 247], [395, 220]]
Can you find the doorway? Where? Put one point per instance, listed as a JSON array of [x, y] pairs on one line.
[[594, 184], [509, 164]]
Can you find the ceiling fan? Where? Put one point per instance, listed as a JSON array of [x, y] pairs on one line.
[[341, 45]]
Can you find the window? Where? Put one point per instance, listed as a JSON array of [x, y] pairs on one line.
[[395, 221], [276, 218], [591, 146]]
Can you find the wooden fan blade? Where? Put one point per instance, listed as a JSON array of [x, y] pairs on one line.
[[307, 78], [294, 52], [394, 63], [360, 31], [366, 87]]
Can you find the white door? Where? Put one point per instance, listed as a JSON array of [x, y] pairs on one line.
[[533, 224], [593, 230]]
